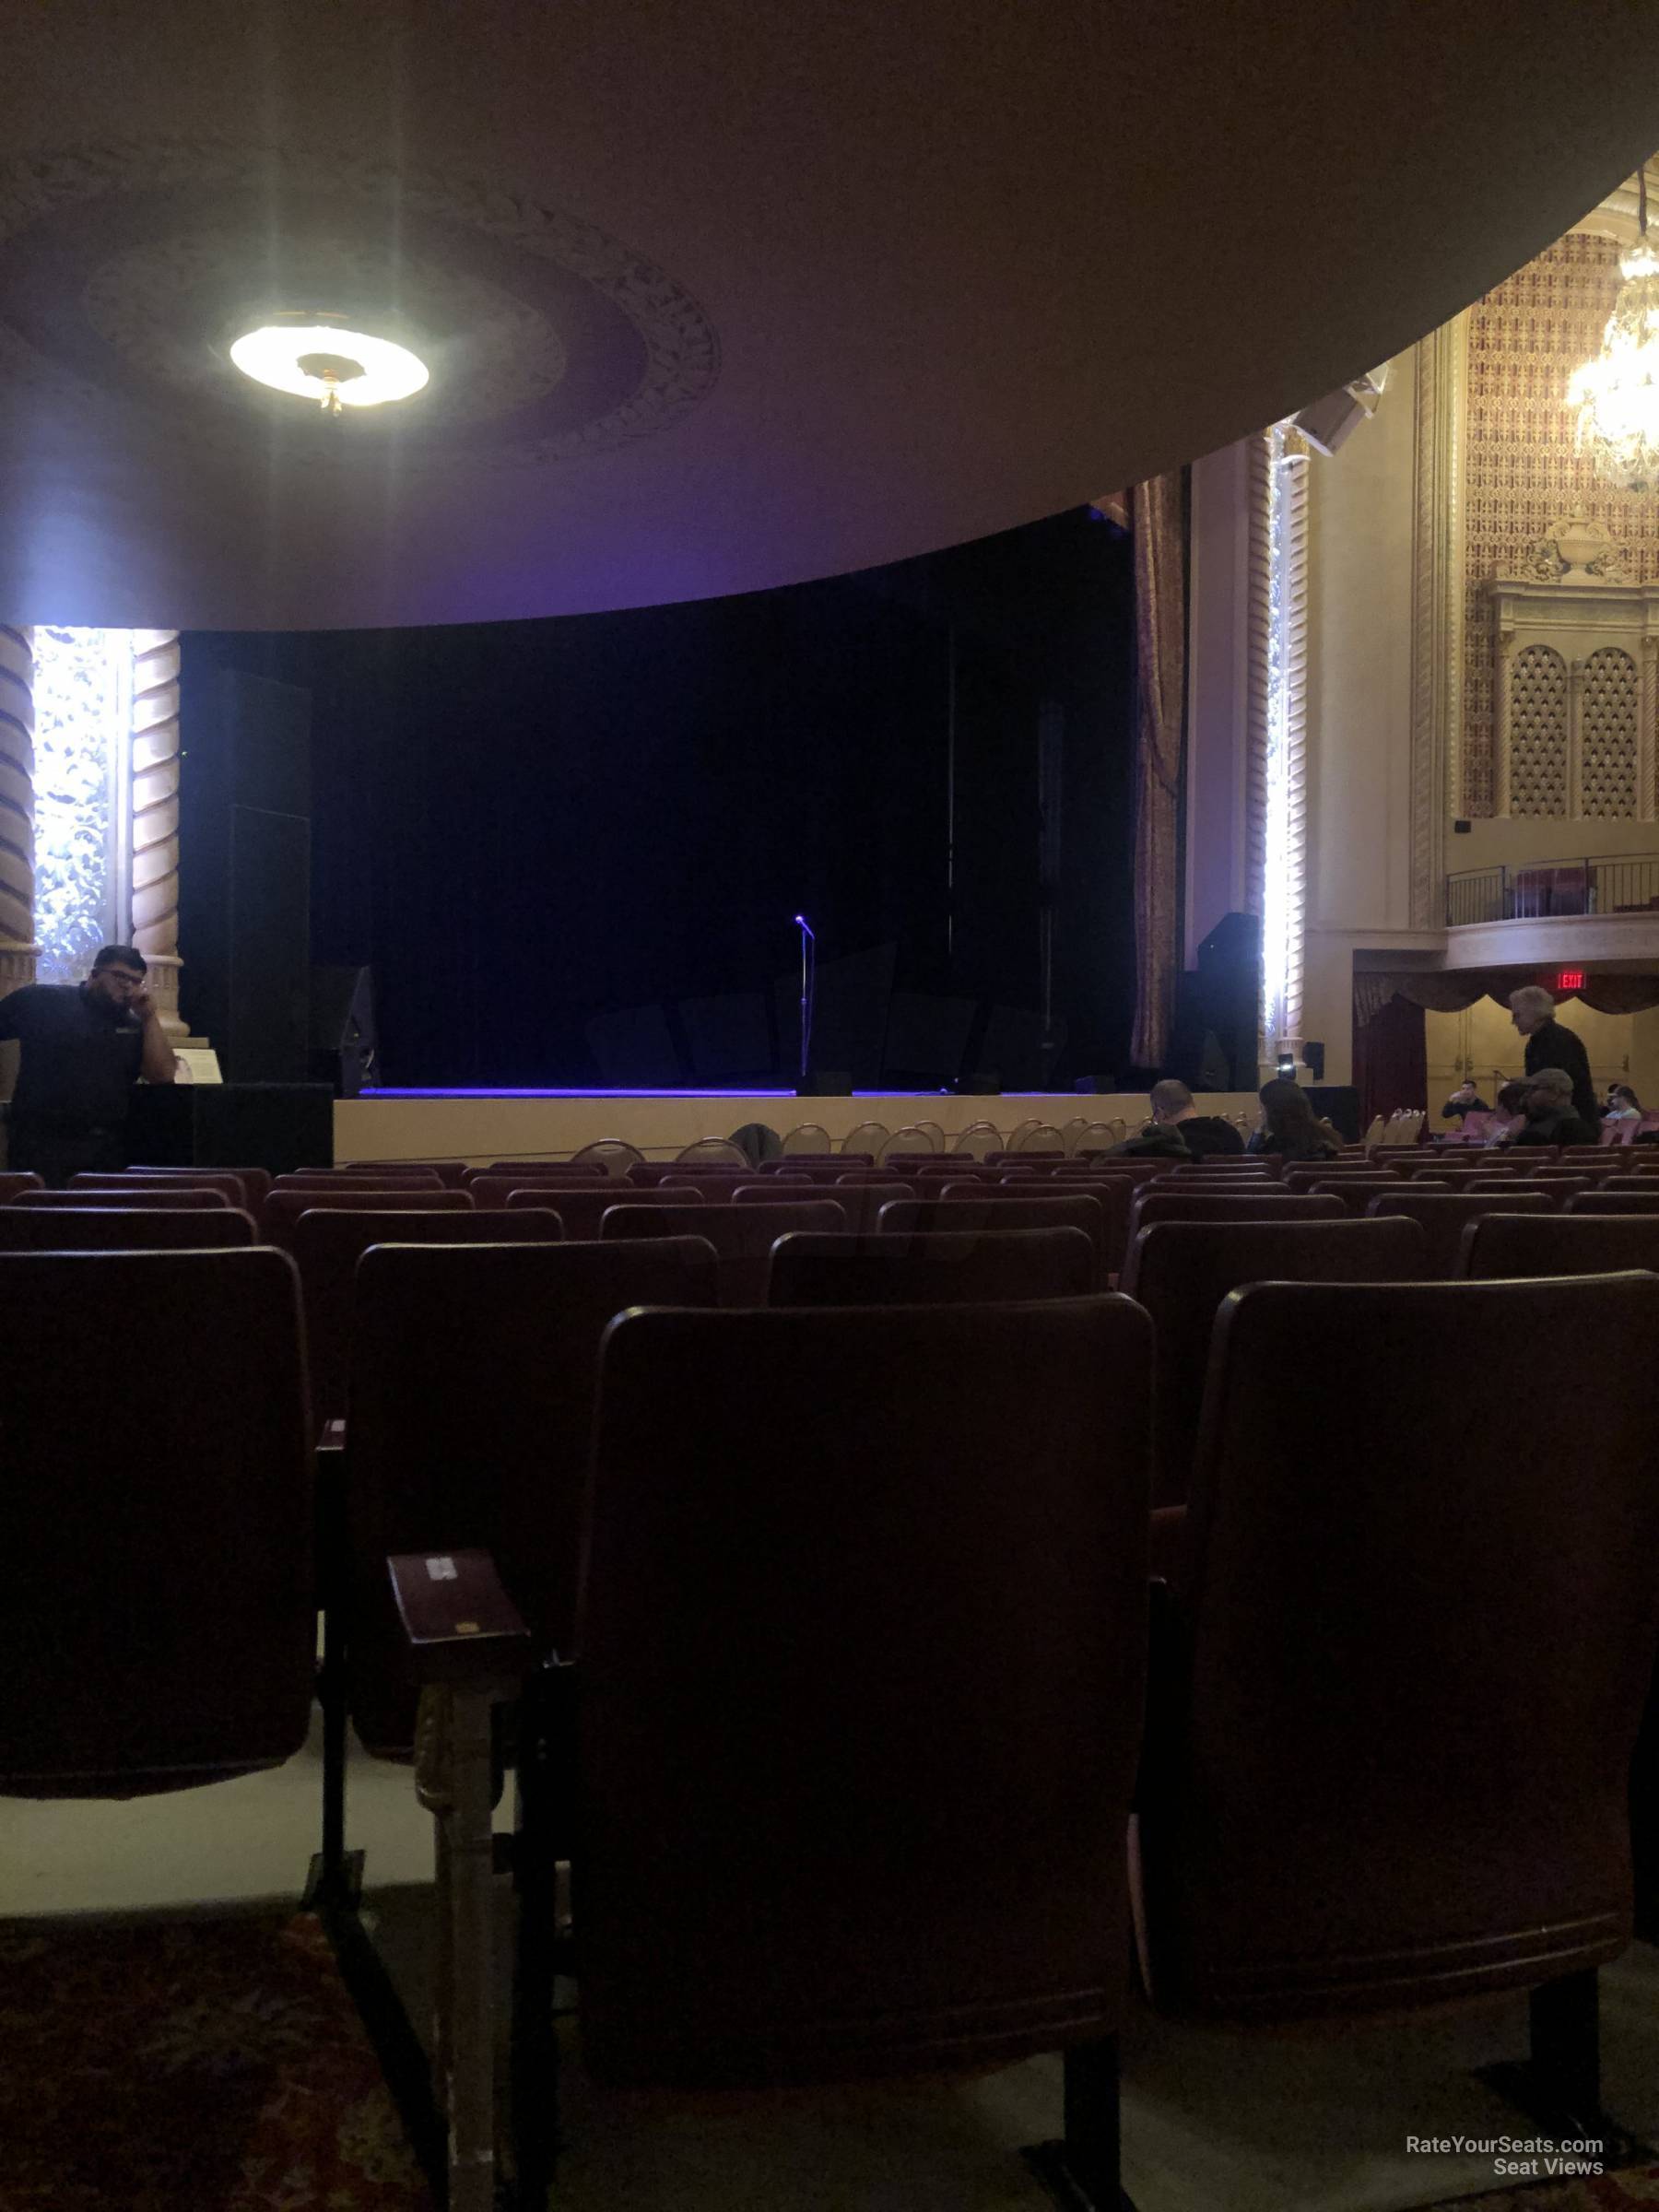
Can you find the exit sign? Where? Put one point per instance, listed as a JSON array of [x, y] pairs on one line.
[[1570, 979]]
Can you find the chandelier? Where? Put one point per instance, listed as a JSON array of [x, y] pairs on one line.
[[1617, 393]]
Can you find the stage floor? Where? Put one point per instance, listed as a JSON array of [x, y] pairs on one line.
[[480, 1126]]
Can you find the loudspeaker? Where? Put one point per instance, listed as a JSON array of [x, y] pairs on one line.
[[1213, 1043], [1313, 1059], [826, 1083], [245, 888], [277, 1125], [344, 1045], [979, 1083]]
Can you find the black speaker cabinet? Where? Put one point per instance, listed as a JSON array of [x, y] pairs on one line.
[[343, 1043], [277, 1125], [1214, 1045]]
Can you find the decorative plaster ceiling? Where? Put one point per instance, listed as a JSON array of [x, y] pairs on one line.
[[726, 296]]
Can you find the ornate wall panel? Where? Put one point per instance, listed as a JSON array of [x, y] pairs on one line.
[[1538, 723], [1520, 466], [1609, 702]]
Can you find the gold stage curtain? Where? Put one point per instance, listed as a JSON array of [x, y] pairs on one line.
[[1160, 726]]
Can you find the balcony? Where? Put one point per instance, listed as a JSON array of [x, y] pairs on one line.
[[1553, 889]]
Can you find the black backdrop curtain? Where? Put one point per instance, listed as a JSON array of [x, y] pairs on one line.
[[1391, 1060], [524, 826]]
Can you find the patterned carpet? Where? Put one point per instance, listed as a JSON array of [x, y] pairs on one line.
[[1632, 2187], [189, 2065]]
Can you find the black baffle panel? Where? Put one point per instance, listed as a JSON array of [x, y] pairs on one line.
[[276, 1125]]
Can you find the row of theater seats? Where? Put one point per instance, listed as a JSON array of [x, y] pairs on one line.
[[858, 1686]]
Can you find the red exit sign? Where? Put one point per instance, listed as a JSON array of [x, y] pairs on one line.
[[1570, 979]]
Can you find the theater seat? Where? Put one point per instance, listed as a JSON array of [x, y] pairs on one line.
[[854, 1753], [160, 1627], [1444, 1215], [94, 1228], [284, 1206], [742, 1235], [1397, 1686], [1568, 1243], [931, 1270], [1181, 1271]]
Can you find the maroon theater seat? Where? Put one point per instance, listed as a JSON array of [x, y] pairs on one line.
[[255, 1182], [379, 1178], [1101, 1215], [473, 1373], [97, 1227], [1444, 1214], [742, 1235], [1181, 1271], [1568, 1243], [150, 1199], [284, 1206], [1161, 1203], [1356, 1191], [15, 1180], [160, 1626], [942, 1269], [328, 1242], [581, 1211], [157, 1179], [886, 1743], [1618, 1197], [1397, 1693]]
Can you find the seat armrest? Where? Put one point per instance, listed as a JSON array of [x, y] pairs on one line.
[[460, 1625]]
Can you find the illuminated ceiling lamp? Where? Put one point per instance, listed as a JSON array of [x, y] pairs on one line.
[[1617, 393], [313, 356]]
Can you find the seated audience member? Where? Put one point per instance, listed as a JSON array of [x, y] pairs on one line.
[[1509, 1116], [1623, 1105], [1288, 1125], [1466, 1098], [1551, 1119], [1178, 1130]]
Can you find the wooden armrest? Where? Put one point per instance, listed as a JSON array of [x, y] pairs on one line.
[[460, 1623]]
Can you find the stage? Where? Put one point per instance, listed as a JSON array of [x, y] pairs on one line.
[[480, 1126]]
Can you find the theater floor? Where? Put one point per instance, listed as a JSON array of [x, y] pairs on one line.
[[1213, 2122]]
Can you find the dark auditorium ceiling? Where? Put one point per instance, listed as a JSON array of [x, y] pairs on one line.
[[727, 294]]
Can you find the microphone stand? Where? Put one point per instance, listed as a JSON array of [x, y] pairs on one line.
[[808, 979]]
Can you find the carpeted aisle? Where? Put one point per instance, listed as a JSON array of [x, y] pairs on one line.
[[195, 2064]]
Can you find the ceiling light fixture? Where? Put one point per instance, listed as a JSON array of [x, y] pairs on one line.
[[315, 357], [1617, 395]]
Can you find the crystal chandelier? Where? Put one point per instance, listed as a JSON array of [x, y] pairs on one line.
[[1617, 395]]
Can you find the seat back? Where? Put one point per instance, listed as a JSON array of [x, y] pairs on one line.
[[903, 1825], [1559, 1244], [612, 1154], [283, 1207], [1406, 1681], [583, 1211], [1624, 1200], [1356, 1191], [1181, 1271], [1444, 1214], [94, 1228], [976, 1211], [742, 1235], [327, 1243], [160, 1625], [714, 1152], [379, 1178], [1161, 1203], [474, 1372], [160, 1179], [150, 1199], [14, 1180], [255, 1182], [490, 1193], [941, 1269]]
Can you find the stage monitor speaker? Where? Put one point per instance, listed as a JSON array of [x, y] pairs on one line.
[[979, 1083], [344, 1045], [277, 1125], [826, 1083]]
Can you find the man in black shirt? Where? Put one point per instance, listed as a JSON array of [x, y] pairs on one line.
[[84, 1047], [1178, 1130], [1549, 1045], [1551, 1119]]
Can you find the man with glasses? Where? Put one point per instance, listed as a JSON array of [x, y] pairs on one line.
[[84, 1046]]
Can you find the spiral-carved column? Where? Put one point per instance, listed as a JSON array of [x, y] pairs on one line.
[[17, 947], [156, 815]]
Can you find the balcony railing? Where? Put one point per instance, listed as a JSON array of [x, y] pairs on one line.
[[1545, 890]]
